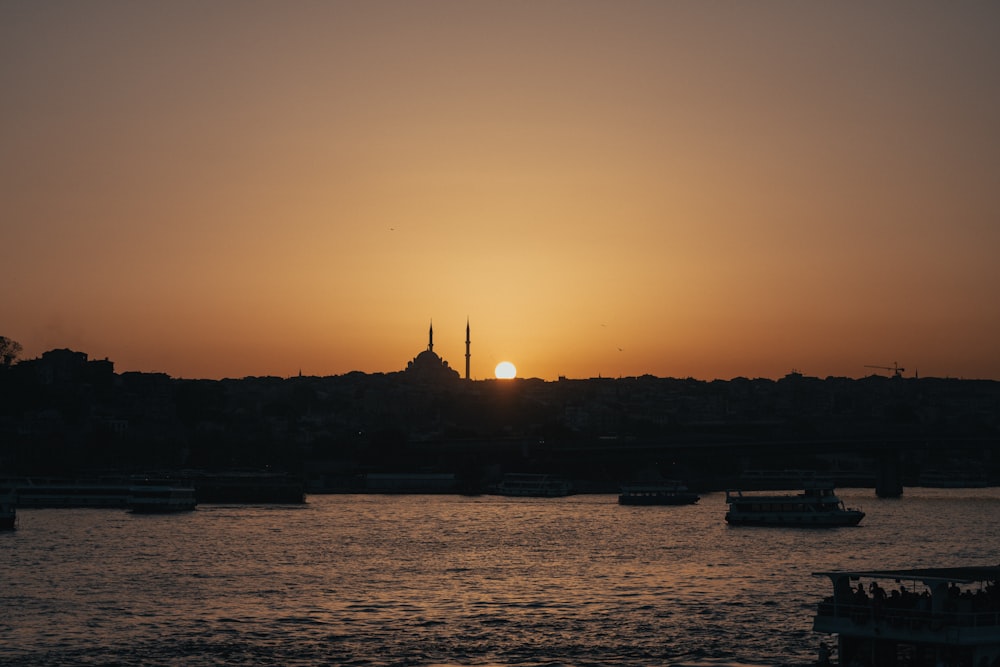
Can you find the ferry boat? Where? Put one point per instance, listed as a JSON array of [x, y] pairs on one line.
[[533, 485], [817, 506], [663, 493], [51, 493], [914, 617], [8, 509], [161, 499]]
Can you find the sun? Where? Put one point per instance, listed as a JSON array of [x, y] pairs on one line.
[[505, 371]]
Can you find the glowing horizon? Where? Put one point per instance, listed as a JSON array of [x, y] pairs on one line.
[[683, 190]]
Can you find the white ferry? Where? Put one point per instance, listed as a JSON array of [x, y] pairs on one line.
[[663, 493], [533, 485], [913, 618], [161, 499], [815, 507]]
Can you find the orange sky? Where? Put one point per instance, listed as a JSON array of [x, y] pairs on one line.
[[695, 189]]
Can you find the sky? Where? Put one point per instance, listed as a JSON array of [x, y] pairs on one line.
[[684, 189]]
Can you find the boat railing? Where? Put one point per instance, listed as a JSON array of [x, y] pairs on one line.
[[914, 618]]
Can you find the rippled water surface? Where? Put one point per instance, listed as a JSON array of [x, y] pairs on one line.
[[451, 580]]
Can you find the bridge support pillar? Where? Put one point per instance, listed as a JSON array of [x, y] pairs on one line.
[[888, 475]]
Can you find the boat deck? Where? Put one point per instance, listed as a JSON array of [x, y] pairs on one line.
[[914, 617]]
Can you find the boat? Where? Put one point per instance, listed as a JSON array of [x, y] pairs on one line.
[[816, 506], [58, 493], [533, 485], [661, 493], [8, 509], [157, 499], [913, 617]]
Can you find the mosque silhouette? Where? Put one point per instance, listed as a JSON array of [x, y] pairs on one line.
[[429, 367]]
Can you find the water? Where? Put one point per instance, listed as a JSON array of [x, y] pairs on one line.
[[449, 580]]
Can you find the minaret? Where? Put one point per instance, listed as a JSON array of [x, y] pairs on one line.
[[430, 338], [467, 354]]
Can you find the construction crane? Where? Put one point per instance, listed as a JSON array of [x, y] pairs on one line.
[[896, 370]]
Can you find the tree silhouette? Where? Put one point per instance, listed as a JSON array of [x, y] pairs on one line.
[[10, 350]]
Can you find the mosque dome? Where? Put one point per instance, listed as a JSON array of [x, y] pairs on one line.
[[428, 366]]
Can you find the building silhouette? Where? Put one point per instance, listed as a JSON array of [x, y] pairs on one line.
[[430, 368]]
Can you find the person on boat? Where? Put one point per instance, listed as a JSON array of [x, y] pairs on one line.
[[860, 597], [878, 597], [877, 592]]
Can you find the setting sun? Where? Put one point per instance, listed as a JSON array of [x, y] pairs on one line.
[[506, 370]]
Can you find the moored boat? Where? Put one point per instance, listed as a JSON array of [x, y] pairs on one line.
[[157, 499], [817, 506], [662, 493], [533, 485], [59, 493], [913, 617]]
